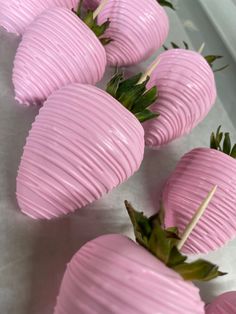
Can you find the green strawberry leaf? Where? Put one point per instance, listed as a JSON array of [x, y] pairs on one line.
[[174, 45], [216, 143], [162, 243], [92, 23], [186, 46], [105, 40], [159, 245], [199, 270], [146, 115], [99, 30], [133, 95], [141, 224], [129, 83], [172, 232], [176, 258], [166, 3], [113, 85], [148, 98], [213, 142], [227, 144], [165, 47], [211, 59], [88, 19], [233, 151]]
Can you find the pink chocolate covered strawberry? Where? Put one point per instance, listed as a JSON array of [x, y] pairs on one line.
[[187, 92], [195, 174], [58, 48], [223, 304], [82, 144], [16, 15], [112, 274], [137, 29]]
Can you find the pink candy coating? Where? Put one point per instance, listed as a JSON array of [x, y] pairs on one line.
[[187, 92], [112, 274], [16, 15], [223, 304], [138, 28], [57, 49], [195, 175], [82, 144]]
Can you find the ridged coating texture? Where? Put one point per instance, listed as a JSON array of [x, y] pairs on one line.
[[138, 28], [187, 92], [57, 49], [195, 175], [16, 15], [112, 274], [82, 144], [224, 304]]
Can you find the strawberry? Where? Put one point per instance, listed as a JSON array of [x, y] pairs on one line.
[[137, 29], [187, 92], [82, 144], [16, 15], [195, 174], [57, 49], [112, 274], [223, 304]]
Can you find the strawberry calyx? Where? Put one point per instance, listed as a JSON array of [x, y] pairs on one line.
[[162, 243], [134, 95], [222, 142], [88, 18], [209, 58]]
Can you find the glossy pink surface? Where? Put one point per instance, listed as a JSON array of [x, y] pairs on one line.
[[138, 28], [57, 49], [16, 15], [82, 144], [195, 175], [224, 304], [112, 274], [187, 92]]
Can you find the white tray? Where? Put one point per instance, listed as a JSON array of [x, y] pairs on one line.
[[33, 254]]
